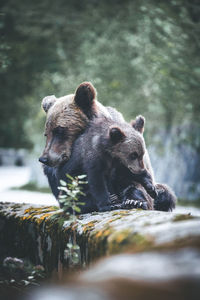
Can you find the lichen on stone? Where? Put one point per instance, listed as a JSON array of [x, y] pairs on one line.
[[181, 217], [42, 233]]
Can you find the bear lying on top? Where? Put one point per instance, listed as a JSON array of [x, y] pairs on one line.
[[84, 137], [101, 147]]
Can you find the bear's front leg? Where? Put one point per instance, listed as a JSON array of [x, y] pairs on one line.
[[51, 173], [135, 196], [130, 203], [166, 199], [146, 180], [98, 187]]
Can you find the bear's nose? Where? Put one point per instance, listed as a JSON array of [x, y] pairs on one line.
[[43, 159]]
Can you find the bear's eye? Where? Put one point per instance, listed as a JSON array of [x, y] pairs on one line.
[[59, 131], [133, 156]]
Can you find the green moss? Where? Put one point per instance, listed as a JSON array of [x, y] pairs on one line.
[[122, 213], [38, 215], [89, 226], [127, 240], [40, 231], [182, 217], [147, 224], [115, 213]]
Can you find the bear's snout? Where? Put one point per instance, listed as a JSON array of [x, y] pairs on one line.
[[43, 160]]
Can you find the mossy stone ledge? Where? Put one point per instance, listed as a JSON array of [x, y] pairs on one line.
[[41, 233]]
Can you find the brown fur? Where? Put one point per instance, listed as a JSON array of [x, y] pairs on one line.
[[68, 117], [148, 199], [62, 113], [138, 123], [68, 113]]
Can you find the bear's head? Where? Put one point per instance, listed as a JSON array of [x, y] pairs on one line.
[[67, 117], [127, 144]]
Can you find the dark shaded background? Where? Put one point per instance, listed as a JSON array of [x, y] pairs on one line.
[[142, 56]]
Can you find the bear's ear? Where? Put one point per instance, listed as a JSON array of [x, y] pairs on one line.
[[84, 98], [48, 101], [116, 135], [138, 123]]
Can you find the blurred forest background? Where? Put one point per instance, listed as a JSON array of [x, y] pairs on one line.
[[142, 56]]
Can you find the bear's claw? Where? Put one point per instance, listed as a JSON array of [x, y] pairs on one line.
[[129, 203]]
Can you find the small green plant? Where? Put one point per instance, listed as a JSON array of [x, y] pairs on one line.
[[69, 197], [70, 193]]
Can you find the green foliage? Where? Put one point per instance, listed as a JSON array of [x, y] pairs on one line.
[[142, 56], [69, 197], [70, 193], [72, 254]]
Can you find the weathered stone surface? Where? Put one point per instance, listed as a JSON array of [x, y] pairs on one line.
[[42, 233], [154, 275]]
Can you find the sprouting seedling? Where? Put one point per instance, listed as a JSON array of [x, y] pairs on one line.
[[70, 191], [70, 194]]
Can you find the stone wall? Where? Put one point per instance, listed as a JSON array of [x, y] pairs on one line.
[[42, 233], [143, 254]]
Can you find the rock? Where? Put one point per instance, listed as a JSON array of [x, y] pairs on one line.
[[44, 235], [149, 275]]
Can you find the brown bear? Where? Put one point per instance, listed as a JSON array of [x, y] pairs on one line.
[[130, 190], [95, 153], [67, 118]]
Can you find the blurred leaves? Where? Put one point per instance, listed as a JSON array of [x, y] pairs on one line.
[[142, 56]]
